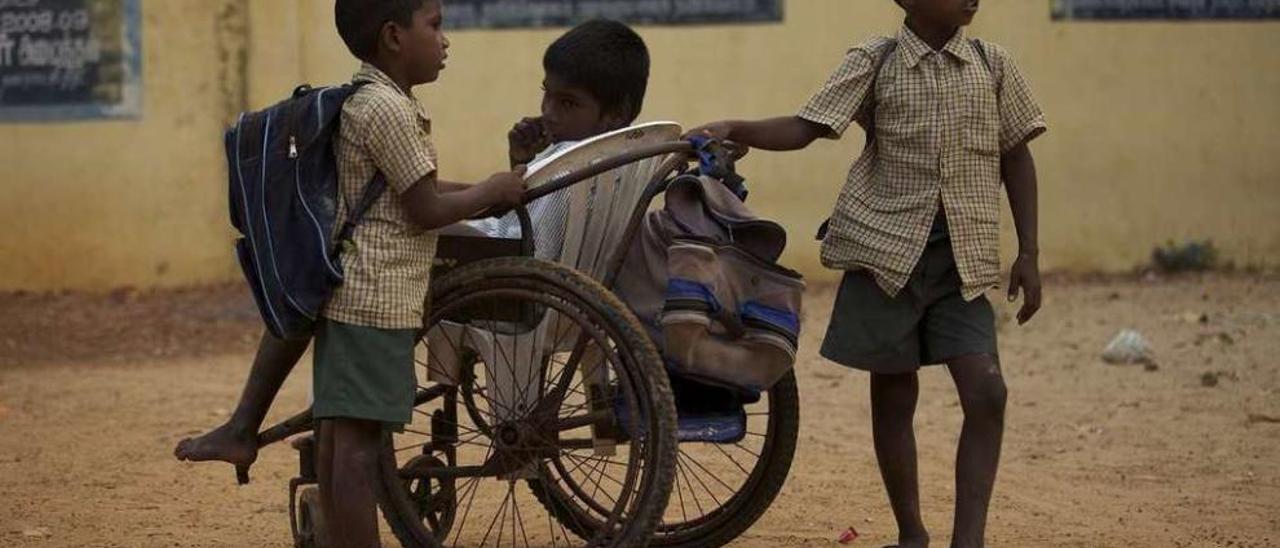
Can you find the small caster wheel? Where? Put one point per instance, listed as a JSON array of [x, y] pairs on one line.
[[311, 520]]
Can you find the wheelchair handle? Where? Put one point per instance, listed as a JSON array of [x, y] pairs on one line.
[[607, 164]]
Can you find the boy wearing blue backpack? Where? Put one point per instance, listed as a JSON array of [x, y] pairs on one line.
[[596, 78], [916, 230], [595, 82], [364, 378], [364, 339]]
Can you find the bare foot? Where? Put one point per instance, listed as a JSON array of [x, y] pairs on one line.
[[223, 443]]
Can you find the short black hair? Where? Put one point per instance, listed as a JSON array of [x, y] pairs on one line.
[[360, 22], [606, 59]]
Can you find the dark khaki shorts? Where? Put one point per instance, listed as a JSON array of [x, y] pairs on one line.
[[364, 373], [927, 323]]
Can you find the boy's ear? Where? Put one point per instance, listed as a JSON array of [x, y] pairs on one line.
[[617, 118], [389, 37], [620, 116]]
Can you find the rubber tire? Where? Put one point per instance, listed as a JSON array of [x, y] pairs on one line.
[[396, 507], [311, 519], [773, 468]]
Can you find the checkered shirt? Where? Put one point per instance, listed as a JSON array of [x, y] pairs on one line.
[[942, 120], [387, 271]]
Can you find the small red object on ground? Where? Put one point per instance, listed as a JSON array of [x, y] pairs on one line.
[[848, 536]]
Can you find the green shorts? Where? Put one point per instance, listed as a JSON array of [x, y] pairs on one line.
[[364, 373], [928, 322]]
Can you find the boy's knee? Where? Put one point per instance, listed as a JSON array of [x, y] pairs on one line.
[[986, 398]]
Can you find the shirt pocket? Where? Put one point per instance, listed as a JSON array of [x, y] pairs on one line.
[[981, 119]]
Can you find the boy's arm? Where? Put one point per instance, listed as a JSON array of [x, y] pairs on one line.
[[526, 139], [783, 133], [827, 114], [431, 207], [450, 186], [1021, 120], [398, 142], [1019, 171]]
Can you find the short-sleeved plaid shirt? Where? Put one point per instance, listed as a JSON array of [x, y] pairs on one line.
[[383, 129], [942, 119]]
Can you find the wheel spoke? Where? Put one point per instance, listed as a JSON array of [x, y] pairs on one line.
[[572, 393], [454, 346], [497, 386], [551, 528], [680, 469], [468, 430], [497, 343], [573, 514], [497, 517], [731, 459], [745, 450], [471, 499], [680, 496], [605, 465], [493, 405], [704, 469], [596, 483], [515, 504]]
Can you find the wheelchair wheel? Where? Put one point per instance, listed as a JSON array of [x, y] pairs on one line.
[[526, 363], [720, 489], [311, 520]]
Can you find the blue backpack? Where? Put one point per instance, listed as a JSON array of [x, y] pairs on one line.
[[284, 202]]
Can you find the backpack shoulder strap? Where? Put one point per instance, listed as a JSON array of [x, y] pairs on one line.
[[372, 192], [996, 75], [873, 101], [881, 61], [884, 57]]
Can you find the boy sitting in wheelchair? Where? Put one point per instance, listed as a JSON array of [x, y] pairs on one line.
[[595, 80]]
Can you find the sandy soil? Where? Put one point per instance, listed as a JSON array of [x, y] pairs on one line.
[[94, 392]]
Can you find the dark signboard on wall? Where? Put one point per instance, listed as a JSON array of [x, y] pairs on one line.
[[69, 59], [465, 14], [1166, 9]]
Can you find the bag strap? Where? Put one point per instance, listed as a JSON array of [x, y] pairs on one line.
[[986, 60], [873, 96], [372, 192], [870, 127]]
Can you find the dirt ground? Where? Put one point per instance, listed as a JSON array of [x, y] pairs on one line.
[[95, 391]]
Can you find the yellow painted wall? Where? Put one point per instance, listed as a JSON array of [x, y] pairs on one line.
[[1158, 131], [132, 202]]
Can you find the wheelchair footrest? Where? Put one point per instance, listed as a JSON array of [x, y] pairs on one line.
[[691, 426], [712, 428]]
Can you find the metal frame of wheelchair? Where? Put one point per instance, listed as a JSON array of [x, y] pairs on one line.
[[671, 494]]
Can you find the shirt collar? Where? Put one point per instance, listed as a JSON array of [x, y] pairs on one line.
[[370, 73], [374, 75], [914, 48]]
